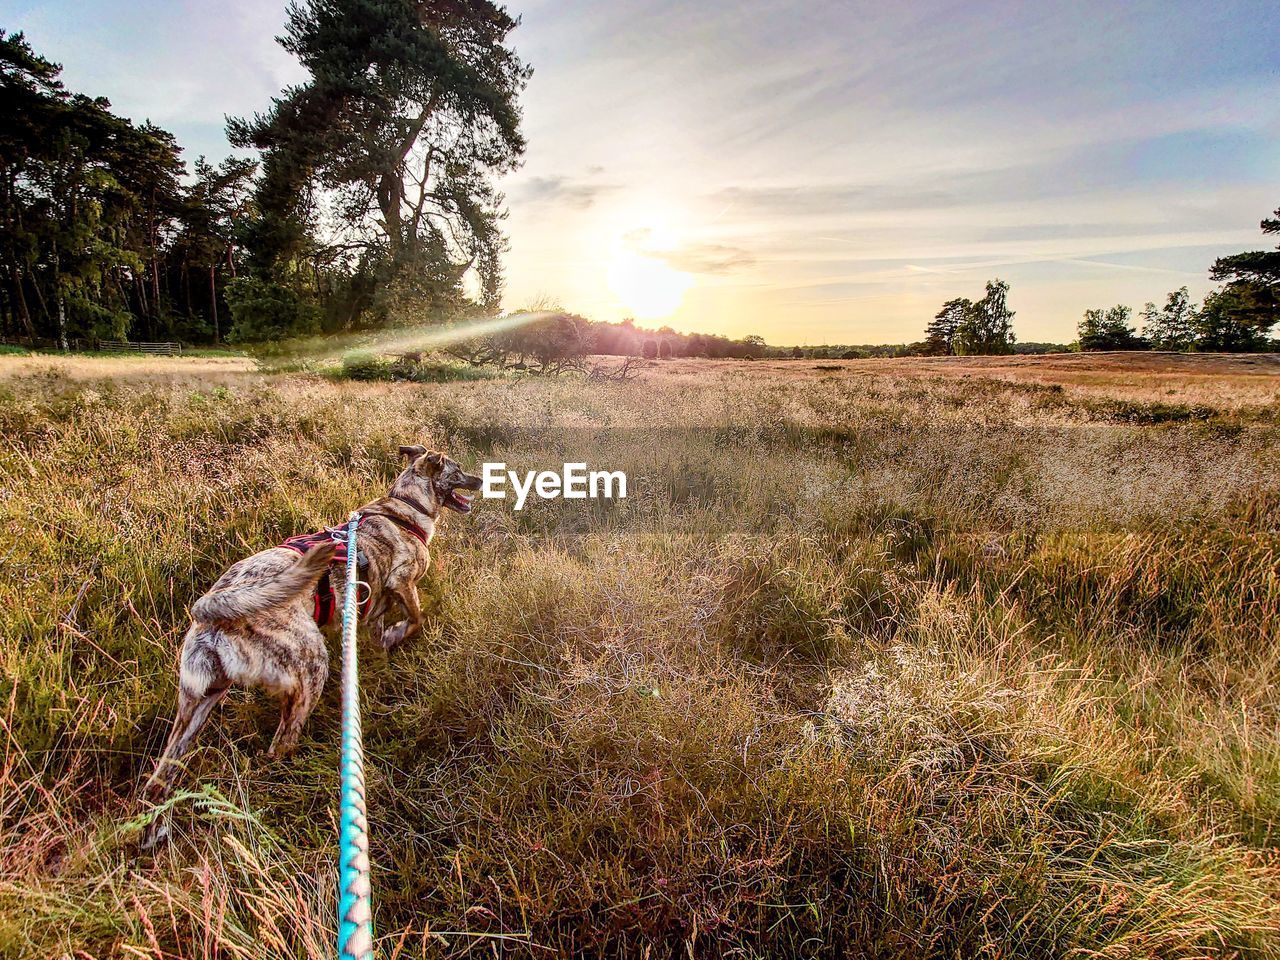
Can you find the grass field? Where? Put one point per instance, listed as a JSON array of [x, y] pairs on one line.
[[905, 658]]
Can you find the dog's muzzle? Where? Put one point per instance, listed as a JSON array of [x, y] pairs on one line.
[[455, 499]]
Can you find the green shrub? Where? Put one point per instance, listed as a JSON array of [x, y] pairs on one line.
[[368, 366], [262, 310], [365, 366]]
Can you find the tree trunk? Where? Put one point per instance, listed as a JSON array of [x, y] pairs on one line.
[[213, 301], [23, 312], [390, 202], [62, 323], [141, 287], [155, 287]]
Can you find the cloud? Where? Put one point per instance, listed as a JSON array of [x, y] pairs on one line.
[[714, 258], [563, 191], [807, 198], [708, 258]]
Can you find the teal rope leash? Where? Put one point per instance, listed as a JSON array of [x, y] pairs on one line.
[[355, 918]]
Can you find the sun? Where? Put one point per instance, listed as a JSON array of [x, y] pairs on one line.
[[648, 288]]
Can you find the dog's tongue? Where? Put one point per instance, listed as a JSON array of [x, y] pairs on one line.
[[462, 500]]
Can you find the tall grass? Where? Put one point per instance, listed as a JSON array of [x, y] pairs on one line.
[[864, 664]]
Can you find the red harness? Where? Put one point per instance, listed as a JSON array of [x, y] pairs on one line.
[[324, 596]]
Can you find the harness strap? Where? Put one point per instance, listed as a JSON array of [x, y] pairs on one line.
[[408, 526], [325, 600]]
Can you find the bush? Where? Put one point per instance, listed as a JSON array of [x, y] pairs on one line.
[[265, 310], [365, 366]]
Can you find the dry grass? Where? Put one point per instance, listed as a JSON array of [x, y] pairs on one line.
[[885, 660]]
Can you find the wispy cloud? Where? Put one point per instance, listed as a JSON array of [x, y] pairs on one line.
[[703, 258], [561, 190]]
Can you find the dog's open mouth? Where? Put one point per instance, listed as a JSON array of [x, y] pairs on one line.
[[458, 501]]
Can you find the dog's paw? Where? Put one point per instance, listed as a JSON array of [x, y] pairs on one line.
[[392, 637]]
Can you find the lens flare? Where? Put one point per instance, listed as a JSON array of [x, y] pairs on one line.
[[417, 340]]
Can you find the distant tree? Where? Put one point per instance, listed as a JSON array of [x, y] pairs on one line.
[[617, 339], [987, 327], [664, 349], [1261, 267], [797, 353], [753, 346], [1109, 330], [650, 349], [1236, 319], [558, 342], [940, 335], [1173, 326], [1248, 307]]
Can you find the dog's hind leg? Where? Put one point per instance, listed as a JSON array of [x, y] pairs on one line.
[[294, 710], [313, 669], [193, 712]]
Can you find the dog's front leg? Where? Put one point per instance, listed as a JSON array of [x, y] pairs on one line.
[[412, 624]]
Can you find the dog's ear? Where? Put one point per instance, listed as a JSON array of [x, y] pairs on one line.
[[427, 464], [413, 452]]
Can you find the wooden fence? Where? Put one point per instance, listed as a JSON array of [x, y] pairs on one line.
[[166, 348]]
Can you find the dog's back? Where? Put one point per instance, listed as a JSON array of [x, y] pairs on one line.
[[262, 582]]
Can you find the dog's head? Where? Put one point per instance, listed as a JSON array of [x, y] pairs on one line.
[[435, 479]]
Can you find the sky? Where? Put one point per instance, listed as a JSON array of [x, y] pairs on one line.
[[813, 173]]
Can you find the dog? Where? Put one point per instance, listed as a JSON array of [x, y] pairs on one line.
[[263, 623]]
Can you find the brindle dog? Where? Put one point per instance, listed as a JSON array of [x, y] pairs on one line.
[[255, 627]]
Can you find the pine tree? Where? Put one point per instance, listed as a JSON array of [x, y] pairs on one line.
[[940, 335], [87, 202], [1241, 315], [409, 113]]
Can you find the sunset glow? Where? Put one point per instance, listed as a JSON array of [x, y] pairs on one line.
[[647, 288]]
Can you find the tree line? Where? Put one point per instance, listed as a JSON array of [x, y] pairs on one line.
[[372, 200], [101, 238], [554, 340], [1238, 317]]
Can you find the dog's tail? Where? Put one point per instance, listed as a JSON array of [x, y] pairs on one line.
[[242, 601]]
